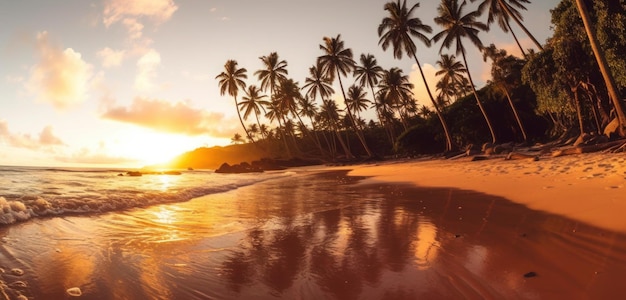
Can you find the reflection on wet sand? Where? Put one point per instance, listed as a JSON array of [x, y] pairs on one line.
[[320, 237]]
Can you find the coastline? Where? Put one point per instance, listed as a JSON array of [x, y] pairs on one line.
[[585, 187], [318, 234]]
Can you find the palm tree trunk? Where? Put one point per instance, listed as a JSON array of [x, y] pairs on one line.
[[354, 126], [241, 120], [604, 68], [333, 124], [515, 37], [282, 134], [517, 118], [308, 133], [521, 25], [480, 105], [380, 117], [432, 99], [579, 113]]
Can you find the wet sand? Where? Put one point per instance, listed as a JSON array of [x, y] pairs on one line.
[[324, 236]]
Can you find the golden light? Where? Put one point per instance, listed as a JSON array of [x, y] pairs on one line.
[[148, 147], [427, 248]]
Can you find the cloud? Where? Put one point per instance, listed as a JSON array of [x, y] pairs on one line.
[[26, 141], [178, 117], [421, 95], [158, 10], [111, 58], [61, 77], [146, 70], [86, 156]]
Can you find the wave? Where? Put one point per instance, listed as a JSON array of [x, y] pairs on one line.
[[20, 208]]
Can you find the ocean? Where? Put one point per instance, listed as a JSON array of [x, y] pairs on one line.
[[305, 233], [34, 192]]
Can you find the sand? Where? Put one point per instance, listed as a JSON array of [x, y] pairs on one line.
[[417, 230], [586, 187]]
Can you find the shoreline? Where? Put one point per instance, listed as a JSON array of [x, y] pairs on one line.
[[586, 187]]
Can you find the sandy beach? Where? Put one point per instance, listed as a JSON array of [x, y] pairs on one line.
[[585, 187], [417, 230]]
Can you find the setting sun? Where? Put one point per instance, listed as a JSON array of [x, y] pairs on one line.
[[148, 147]]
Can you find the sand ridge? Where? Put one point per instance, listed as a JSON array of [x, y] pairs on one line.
[[586, 187]]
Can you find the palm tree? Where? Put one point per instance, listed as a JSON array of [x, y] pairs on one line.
[[231, 80], [501, 10], [288, 97], [368, 74], [604, 68], [319, 84], [236, 139], [453, 81], [253, 102], [502, 68], [356, 99], [397, 30], [274, 71], [384, 106], [397, 89], [338, 59], [308, 109], [455, 26]]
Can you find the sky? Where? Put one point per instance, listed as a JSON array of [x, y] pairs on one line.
[[132, 82]]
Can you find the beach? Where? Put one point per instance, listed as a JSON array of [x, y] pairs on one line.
[[434, 229]]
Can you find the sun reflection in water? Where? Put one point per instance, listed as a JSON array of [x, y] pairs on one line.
[[166, 182], [168, 217], [427, 246]]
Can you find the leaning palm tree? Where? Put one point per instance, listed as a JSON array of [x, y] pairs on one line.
[[231, 80], [273, 72], [253, 102], [503, 10], [457, 25], [368, 73], [398, 90], [502, 69], [288, 97], [318, 84], [604, 68], [337, 60], [330, 113], [452, 79], [398, 30]]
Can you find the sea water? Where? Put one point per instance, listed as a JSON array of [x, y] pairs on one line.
[[32, 192]]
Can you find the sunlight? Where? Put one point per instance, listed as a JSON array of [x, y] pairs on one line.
[[149, 147], [427, 247]]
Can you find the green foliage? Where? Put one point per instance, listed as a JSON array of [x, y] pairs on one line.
[[420, 139]]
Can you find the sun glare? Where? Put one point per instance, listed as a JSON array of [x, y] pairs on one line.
[[149, 148]]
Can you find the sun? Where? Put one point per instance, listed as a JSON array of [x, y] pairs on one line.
[[149, 147]]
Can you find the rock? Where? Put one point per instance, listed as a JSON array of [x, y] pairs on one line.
[[134, 173], [530, 274], [237, 169]]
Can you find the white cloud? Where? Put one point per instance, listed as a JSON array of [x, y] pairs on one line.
[[146, 70], [421, 95], [61, 77], [46, 139], [111, 58], [172, 117], [158, 10]]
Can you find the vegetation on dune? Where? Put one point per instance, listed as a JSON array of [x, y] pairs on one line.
[[570, 86]]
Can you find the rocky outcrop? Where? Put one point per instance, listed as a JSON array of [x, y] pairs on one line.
[[267, 164]]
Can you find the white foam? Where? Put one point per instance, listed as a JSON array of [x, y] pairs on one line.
[[74, 292]]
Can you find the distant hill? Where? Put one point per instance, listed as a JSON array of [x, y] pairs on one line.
[[212, 158]]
